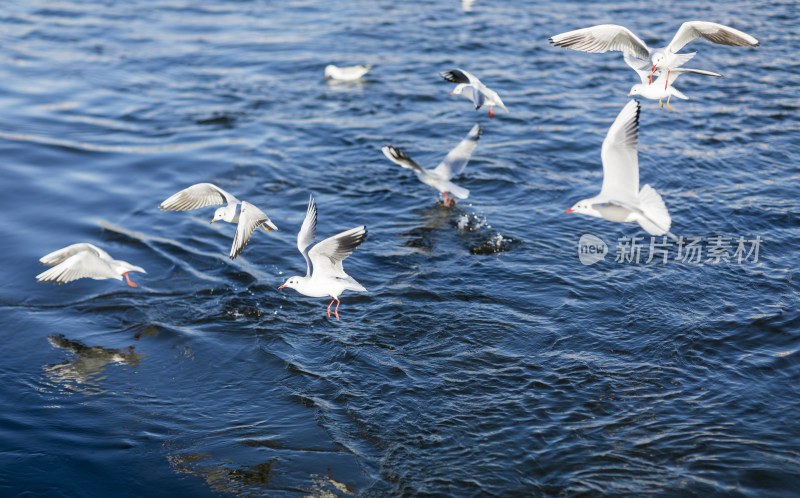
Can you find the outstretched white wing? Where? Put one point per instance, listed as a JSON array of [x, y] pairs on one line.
[[250, 218], [602, 38], [619, 156], [711, 31], [307, 234], [197, 196], [455, 161], [327, 256], [84, 264], [62, 255]]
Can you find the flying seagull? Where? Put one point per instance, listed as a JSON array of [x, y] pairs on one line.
[[244, 215], [605, 37], [84, 260], [620, 198], [475, 90], [324, 273], [452, 165]]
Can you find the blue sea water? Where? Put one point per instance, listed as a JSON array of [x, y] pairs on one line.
[[486, 359]]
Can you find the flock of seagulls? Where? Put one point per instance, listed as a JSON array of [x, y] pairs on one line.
[[620, 198]]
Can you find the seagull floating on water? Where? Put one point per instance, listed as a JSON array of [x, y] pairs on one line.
[[348, 73], [654, 92], [84, 260], [605, 37], [246, 216], [479, 93], [325, 275], [439, 177], [620, 198]]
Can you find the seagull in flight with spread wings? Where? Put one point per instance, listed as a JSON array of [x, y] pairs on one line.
[[452, 165], [325, 275], [84, 260], [605, 37], [479, 93], [620, 198], [244, 215]]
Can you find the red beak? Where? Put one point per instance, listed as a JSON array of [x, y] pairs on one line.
[[282, 286], [569, 210]]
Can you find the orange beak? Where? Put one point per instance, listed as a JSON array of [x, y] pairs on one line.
[[569, 210], [282, 286], [212, 221]]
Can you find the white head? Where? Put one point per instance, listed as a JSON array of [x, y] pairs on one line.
[[584, 207], [458, 89], [636, 90], [292, 283], [225, 213], [329, 69], [657, 59]]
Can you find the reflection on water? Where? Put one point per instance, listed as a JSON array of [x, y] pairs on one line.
[[224, 470], [82, 373]]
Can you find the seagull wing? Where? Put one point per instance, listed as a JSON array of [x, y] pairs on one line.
[[62, 255], [250, 218], [478, 97], [399, 157], [84, 264], [458, 76], [620, 160], [641, 66], [327, 256], [307, 234], [674, 73], [455, 161], [197, 196], [711, 31], [602, 38]]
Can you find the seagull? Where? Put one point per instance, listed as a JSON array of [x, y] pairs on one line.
[[84, 260], [649, 91], [349, 73], [605, 37], [479, 95], [324, 273], [620, 198], [439, 177], [246, 216]]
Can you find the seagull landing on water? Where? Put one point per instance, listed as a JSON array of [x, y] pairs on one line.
[[244, 215], [654, 92], [439, 177], [84, 260], [324, 273], [620, 198], [348, 73], [605, 37], [475, 90]]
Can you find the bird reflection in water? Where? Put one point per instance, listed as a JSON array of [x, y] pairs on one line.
[[81, 373]]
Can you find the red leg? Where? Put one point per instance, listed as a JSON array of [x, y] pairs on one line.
[[128, 280], [336, 311], [446, 202], [329, 307], [666, 83], [491, 112]]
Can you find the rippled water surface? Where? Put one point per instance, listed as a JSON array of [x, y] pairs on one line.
[[485, 359]]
